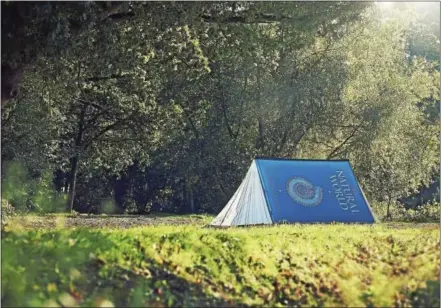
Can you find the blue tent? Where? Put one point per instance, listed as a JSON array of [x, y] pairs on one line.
[[278, 190]]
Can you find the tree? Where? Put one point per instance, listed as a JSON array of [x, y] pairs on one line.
[[30, 30], [104, 102], [168, 112], [398, 150]]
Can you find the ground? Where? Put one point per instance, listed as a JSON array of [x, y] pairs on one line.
[[104, 221], [175, 261]]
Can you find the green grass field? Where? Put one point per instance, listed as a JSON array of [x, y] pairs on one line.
[[166, 264]]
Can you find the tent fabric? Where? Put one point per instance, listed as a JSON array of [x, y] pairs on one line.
[[296, 191], [248, 205]]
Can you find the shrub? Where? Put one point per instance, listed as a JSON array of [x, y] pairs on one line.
[[26, 194], [7, 212], [428, 212]]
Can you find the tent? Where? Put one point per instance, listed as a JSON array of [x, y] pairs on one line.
[[277, 190]]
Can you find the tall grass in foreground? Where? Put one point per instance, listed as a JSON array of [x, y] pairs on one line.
[[296, 265]]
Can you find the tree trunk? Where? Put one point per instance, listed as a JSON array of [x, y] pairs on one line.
[[73, 182], [75, 159], [66, 185], [10, 84], [260, 138], [58, 180], [184, 197], [191, 199], [388, 214]]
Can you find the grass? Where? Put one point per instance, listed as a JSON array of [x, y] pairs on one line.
[[188, 265], [58, 221]]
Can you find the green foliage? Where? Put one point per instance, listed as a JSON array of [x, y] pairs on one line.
[[167, 113], [15, 185], [425, 34], [30, 194], [316, 265], [44, 198], [108, 207], [425, 213], [8, 211], [130, 206]]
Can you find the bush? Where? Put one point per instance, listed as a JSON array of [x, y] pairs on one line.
[[26, 194], [428, 212], [7, 212], [15, 185], [130, 206]]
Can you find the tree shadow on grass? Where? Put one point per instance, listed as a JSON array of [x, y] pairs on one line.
[[40, 269], [426, 297], [154, 285]]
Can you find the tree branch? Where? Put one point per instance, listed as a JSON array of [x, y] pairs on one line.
[[242, 106], [115, 11], [84, 102], [225, 115], [102, 132], [256, 19], [112, 76], [224, 112], [121, 16], [351, 135], [193, 127]]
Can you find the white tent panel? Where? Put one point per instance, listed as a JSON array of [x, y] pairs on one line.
[[248, 205]]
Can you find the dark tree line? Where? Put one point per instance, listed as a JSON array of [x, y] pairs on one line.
[[163, 105]]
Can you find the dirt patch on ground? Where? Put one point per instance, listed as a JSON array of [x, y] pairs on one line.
[[407, 225], [131, 221], [95, 221]]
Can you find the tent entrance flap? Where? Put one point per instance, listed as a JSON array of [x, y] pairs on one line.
[[248, 205]]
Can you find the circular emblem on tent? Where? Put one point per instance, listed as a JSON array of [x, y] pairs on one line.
[[303, 192]]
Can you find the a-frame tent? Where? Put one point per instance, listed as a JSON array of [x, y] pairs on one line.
[[277, 190]]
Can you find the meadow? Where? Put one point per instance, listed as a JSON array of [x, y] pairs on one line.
[[103, 261]]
